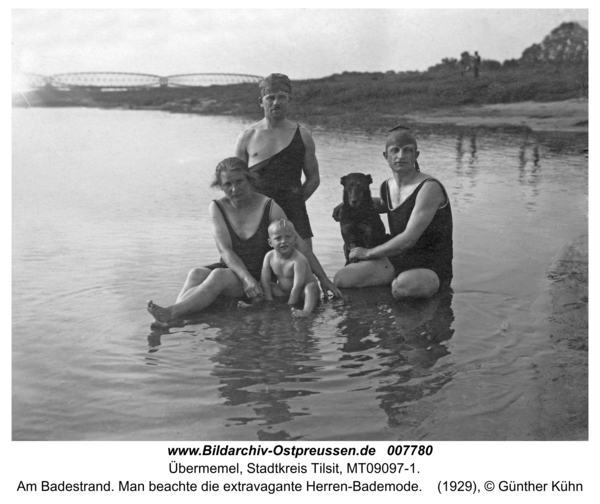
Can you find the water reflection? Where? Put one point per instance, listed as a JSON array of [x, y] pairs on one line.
[[460, 152], [424, 328], [267, 361], [381, 349], [466, 181], [529, 172], [408, 337], [266, 358], [473, 157]]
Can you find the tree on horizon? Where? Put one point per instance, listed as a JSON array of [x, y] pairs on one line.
[[566, 44]]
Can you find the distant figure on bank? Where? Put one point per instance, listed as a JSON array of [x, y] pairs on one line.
[[279, 152], [417, 260], [294, 276], [239, 222], [465, 62], [476, 63]]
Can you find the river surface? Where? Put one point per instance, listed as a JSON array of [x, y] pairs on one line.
[[110, 209]]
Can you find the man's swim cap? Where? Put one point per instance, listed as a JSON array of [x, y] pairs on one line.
[[275, 82], [400, 135]]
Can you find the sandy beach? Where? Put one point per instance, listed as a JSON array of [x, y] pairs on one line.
[[563, 372], [566, 116]]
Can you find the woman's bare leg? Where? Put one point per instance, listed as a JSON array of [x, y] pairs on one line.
[[198, 297], [195, 277]]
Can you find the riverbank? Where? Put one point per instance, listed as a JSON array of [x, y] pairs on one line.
[[544, 98], [559, 116], [565, 116]]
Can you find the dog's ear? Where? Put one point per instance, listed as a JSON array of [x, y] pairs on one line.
[[343, 180], [369, 179]]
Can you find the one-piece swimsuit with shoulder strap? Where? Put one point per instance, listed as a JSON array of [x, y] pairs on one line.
[[251, 250], [280, 178], [434, 248]]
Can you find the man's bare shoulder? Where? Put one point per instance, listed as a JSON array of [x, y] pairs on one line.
[[306, 132], [250, 131], [305, 129], [432, 193]]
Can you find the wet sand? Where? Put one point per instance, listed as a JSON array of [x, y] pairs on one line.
[[563, 372]]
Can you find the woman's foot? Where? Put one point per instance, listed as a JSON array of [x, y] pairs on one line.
[[254, 303], [300, 313], [161, 315]]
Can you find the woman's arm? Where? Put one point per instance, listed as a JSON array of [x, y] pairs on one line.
[[429, 199], [265, 277], [229, 257]]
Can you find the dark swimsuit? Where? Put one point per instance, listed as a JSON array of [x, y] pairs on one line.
[[280, 178], [252, 250], [433, 249]]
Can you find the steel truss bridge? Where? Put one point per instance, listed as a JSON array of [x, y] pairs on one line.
[[122, 80]]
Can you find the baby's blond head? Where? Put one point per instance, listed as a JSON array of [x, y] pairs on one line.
[[279, 224]]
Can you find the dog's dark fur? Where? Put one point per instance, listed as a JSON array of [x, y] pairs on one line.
[[360, 222]]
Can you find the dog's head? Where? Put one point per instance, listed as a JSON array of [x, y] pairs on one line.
[[357, 193]]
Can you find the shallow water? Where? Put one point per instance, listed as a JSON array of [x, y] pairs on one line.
[[109, 209]]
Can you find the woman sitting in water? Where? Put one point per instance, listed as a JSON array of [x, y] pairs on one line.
[[239, 222], [417, 260]]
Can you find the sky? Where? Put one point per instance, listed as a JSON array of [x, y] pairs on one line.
[[302, 43]]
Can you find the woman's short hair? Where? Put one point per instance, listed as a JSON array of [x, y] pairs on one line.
[[231, 164]]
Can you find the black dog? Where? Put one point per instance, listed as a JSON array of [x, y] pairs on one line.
[[359, 221]]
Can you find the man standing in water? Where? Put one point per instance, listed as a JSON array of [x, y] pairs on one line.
[[279, 151]]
